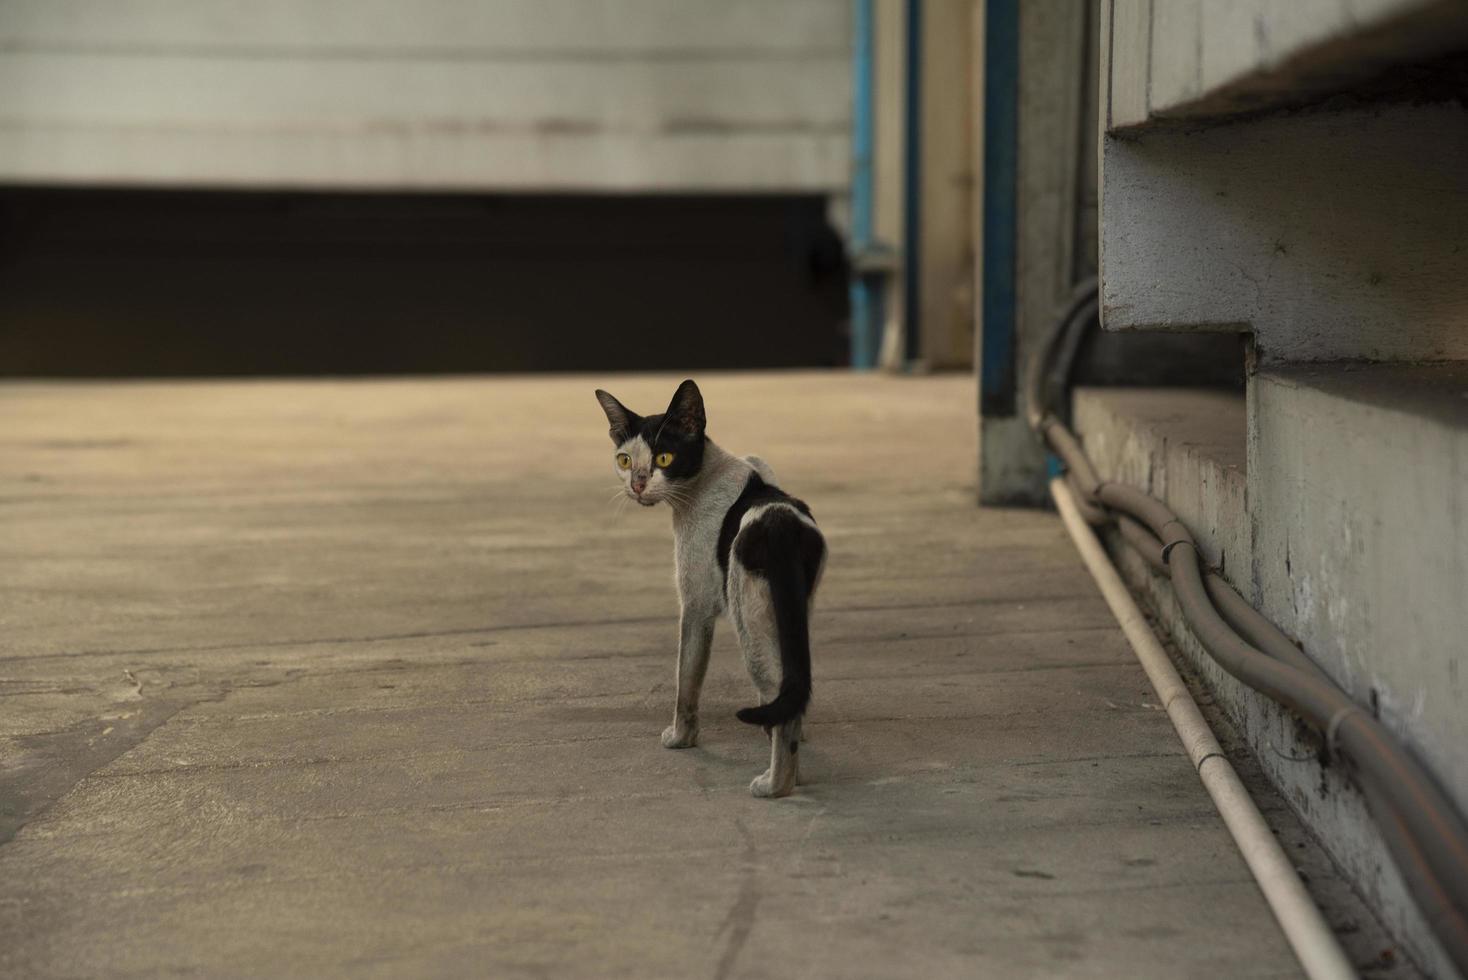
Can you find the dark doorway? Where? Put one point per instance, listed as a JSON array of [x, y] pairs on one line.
[[171, 283]]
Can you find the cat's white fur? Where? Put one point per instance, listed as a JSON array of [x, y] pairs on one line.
[[699, 506]]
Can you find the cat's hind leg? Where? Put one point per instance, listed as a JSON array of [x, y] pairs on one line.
[[784, 772], [796, 741], [753, 614]]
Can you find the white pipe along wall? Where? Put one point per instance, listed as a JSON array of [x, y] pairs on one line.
[[1301, 921]]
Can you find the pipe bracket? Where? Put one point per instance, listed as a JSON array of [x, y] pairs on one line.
[[1175, 534], [1333, 727]]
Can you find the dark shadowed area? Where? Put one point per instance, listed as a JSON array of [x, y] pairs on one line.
[[179, 283]]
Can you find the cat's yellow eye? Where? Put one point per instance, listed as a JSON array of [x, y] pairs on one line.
[[664, 460], [624, 461]]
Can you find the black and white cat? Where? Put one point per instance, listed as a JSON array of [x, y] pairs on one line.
[[741, 546]]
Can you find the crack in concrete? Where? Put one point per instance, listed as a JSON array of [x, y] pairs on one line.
[[54, 763], [739, 923]]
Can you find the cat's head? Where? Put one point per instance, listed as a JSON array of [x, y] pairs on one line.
[[656, 455]]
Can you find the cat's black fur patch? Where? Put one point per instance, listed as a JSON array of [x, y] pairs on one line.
[[687, 448], [787, 553], [756, 492], [679, 430]]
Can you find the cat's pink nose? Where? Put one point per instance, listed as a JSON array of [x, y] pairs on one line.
[[638, 485]]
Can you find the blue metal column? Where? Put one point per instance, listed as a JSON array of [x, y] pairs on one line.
[[997, 369], [912, 185]]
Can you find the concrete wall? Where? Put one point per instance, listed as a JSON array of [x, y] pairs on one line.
[[1294, 171], [610, 95], [1256, 488], [1360, 534], [941, 282], [1329, 235], [945, 288], [888, 207], [1057, 47], [1055, 247]]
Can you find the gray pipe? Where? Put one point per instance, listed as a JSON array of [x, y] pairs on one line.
[[1421, 828], [1239, 615], [1439, 860], [1425, 835]]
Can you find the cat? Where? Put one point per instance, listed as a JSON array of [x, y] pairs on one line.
[[741, 546]]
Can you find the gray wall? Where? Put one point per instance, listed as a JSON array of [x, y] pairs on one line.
[[1297, 175], [1055, 247], [584, 95]]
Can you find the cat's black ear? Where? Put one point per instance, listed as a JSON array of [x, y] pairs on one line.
[[623, 420], [685, 411]]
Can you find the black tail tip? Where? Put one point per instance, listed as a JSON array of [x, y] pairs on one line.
[[787, 705]]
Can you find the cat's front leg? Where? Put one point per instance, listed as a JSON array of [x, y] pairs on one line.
[[695, 637]]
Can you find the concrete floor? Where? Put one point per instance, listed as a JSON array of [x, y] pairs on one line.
[[368, 677]]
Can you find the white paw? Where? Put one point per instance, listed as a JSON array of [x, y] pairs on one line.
[[678, 736], [764, 787]]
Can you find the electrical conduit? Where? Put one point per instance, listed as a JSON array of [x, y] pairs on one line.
[[1304, 927], [1421, 828]]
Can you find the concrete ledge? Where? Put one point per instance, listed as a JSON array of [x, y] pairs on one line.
[[1192, 59], [1185, 445], [1281, 498], [1320, 233]]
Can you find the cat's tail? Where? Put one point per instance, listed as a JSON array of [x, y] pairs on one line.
[[790, 575]]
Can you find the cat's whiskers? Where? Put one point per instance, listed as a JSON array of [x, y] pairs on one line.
[[676, 495]]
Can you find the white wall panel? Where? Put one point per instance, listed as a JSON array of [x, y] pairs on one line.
[[518, 94]]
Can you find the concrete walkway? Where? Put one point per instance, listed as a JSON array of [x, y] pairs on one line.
[[367, 677]]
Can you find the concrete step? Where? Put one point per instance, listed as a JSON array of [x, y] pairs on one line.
[[1333, 498]]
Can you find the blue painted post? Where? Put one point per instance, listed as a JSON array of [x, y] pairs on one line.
[[912, 181], [1001, 170], [864, 303]]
